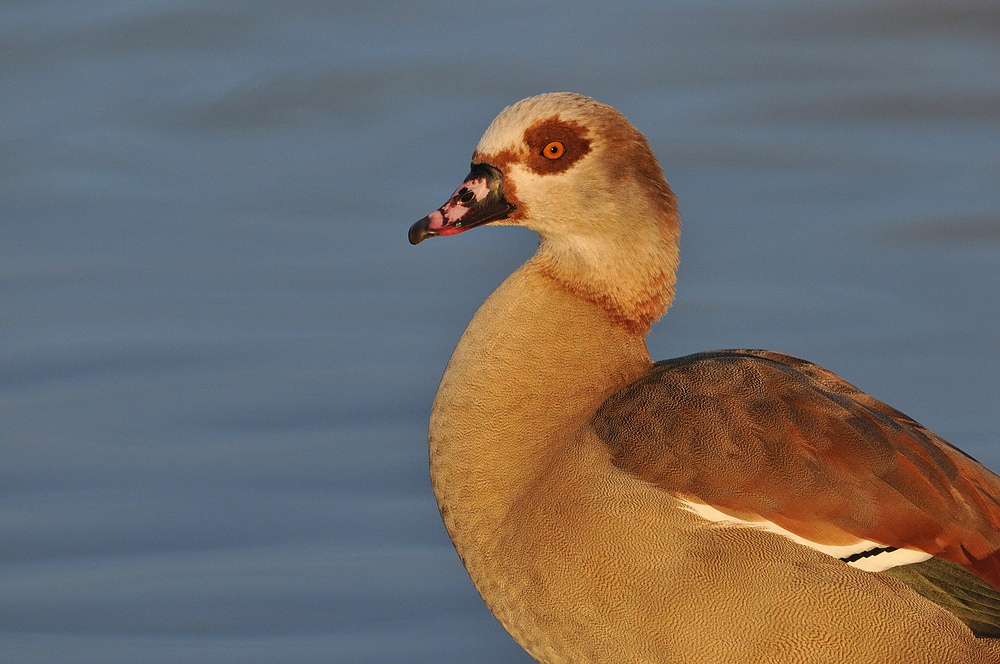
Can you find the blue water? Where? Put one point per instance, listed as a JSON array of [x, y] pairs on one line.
[[218, 351]]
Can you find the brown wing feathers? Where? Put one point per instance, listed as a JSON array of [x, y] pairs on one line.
[[761, 434]]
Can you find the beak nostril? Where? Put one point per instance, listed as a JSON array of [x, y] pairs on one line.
[[466, 196]]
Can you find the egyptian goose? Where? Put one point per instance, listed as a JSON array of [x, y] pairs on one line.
[[729, 506]]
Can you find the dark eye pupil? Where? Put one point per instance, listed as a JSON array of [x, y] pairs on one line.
[[467, 196]]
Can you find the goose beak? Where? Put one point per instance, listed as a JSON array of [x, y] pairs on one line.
[[478, 201]]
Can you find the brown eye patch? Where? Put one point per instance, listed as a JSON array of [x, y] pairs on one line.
[[571, 136]]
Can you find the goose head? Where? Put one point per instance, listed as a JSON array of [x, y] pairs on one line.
[[579, 174]]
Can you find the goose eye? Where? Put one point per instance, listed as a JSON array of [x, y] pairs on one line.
[[553, 150]]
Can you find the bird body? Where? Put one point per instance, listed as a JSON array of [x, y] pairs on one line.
[[727, 507]]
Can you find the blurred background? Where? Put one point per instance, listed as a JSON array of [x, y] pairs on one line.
[[218, 351]]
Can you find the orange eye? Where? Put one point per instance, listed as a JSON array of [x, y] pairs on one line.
[[553, 150]]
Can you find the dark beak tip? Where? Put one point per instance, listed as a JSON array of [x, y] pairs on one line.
[[420, 232]]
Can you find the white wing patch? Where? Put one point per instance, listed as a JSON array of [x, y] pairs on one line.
[[865, 555]]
